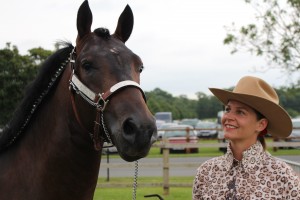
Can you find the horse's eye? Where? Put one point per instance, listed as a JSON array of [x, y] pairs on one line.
[[141, 69], [86, 66]]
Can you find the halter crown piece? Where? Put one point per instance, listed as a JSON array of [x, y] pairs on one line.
[[97, 100]]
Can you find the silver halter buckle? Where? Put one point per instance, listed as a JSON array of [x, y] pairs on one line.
[[101, 103]]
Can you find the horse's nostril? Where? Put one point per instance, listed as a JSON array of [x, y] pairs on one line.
[[139, 133], [129, 127]]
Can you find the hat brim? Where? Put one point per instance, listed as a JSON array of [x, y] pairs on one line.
[[280, 124]]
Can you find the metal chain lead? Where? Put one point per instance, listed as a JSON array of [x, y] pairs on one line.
[[105, 129], [136, 169]]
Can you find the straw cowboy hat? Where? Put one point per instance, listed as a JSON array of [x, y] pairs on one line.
[[259, 95]]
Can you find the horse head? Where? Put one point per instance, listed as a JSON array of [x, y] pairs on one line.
[[109, 72]]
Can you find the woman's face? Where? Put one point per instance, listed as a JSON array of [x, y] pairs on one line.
[[240, 123]]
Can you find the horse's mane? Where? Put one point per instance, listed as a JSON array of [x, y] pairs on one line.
[[36, 91]]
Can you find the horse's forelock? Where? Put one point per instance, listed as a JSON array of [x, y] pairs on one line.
[[102, 32]]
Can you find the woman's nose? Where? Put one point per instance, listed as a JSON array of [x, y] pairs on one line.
[[227, 116]]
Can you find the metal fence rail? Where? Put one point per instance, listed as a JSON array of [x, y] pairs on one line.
[[167, 145]]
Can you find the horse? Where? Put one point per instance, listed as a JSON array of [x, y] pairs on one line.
[[82, 97]]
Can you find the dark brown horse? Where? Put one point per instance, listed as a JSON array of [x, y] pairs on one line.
[[82, 97]]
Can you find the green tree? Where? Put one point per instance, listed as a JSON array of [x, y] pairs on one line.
[[39, 55], [185, 107], [207, 106], [275, 34], [289, 99], [16, 71], [162, 101]]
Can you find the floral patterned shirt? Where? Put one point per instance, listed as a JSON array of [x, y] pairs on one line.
[[257, 176]]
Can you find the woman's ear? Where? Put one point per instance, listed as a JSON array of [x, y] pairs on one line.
[[262, 125]]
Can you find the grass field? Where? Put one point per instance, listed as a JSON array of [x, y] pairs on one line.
[[115, 190], [121, 188], [126, 193]]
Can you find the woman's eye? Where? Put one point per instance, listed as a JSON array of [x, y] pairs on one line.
[[240, 112], [227, 110]]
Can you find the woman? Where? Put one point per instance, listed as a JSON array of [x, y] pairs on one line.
[[247, 171]]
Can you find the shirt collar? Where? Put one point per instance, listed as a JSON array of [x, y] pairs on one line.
[[251, 157]]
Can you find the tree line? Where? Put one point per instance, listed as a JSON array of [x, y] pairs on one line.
[[17, 71], [207, 106]]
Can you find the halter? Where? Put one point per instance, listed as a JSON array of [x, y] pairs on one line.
[[97, 100], [100, 100]]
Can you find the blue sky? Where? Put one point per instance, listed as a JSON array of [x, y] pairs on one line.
[[180, 42]]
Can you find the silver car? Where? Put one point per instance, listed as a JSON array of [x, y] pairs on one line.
[[206, 129], [295, 135]]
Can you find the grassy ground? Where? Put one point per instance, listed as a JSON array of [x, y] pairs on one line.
[[121, 188], [146, 186], [126, 193]]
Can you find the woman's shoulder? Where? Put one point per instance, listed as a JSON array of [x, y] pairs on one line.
[[279, 166], [274, 162], [213, 162]]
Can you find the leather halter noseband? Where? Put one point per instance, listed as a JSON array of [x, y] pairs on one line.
[[97, 100]]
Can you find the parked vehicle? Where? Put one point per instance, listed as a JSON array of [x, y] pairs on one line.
[[108, 149], [178, 135], [164, 116], [161, 130], [159, 123], [206, 129], [191, 122], [221, 138], [295, 135]]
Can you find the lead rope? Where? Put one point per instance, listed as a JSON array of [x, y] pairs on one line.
[[136, 169]]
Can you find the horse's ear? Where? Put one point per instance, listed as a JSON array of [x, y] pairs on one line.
[[84, 19], [125, 24]]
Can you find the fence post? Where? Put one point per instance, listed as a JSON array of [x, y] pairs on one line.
[[107, 161], [188, 150], [166, 168]]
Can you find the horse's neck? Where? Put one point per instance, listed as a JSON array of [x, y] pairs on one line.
[[56, 152], [78, 158], [68, 153]]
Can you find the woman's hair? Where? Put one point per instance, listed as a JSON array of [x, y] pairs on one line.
[[261, 137]]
